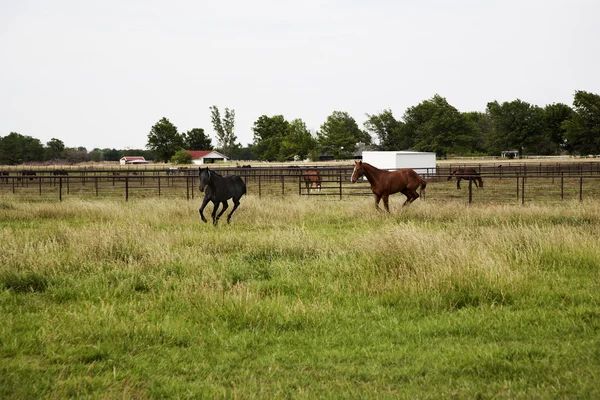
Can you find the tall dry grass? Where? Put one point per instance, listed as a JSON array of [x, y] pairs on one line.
[[320, 291]]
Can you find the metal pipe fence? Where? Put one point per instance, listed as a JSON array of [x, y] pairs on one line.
[[529, 185]]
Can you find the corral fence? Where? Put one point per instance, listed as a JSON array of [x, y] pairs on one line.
[[508, 182]]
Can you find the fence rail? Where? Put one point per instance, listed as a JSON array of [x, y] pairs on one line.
[[526, 185]]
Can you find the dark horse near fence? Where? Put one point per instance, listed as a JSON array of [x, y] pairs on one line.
[[219, 189], [467, 173], [383, 183], [312, 177]]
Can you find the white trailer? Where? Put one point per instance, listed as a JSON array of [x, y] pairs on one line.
[[422, 162]]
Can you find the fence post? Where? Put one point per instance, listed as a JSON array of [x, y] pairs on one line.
[[259, 186], [187, 187], [470, 191], [523, 190], [159, 185], [581, 188], [340, 184], [127, 189], [60, 188], [40, 184], [95, 184], [282, 186], [562, 186]]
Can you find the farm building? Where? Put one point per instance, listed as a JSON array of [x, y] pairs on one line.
[[200, 157], [133, 160], [422, 162]]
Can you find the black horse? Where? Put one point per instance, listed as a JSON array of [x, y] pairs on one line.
[[219, 189]]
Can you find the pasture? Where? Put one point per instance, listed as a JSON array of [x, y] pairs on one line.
[[299, 297]]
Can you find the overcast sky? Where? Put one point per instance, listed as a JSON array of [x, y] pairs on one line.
[[101, 73]]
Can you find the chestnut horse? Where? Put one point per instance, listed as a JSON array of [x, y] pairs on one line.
[[469, 174], [310, 177], [383, 183]]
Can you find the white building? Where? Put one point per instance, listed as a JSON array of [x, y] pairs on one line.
[[132, 160], [422, 162], [200, 157]]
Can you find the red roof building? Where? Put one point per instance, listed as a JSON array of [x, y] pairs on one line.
[[200, 157]]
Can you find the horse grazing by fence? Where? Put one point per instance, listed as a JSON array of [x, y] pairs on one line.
[[60, 172], [28, 173], [467, 173], [384, 183], [312, 177], [219, 189]]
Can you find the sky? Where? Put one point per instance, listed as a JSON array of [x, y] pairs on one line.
[[100, 74]]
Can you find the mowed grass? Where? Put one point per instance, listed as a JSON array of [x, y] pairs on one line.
[[299, 298]]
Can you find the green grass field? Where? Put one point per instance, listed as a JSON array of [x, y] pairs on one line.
[[299, 298]]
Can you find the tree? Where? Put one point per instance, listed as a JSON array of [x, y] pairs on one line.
[[268, 135], [481, 126], [389, 131], [196, 139], [297, 143], [554, 116], [76, 155], [517, 125], [582, 129], [164, 139], [96, 155], [224, 130], [437, 126], [340, 134], [111, 154], [54, 149], [182, 157], [17, 149]]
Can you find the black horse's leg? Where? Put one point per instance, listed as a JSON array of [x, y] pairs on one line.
[[201, 210], [236, 203], [225, 206], [476, 185], [458, 182], [214, 213]]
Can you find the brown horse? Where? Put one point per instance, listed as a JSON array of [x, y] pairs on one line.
[[469, 174], [383, 183], [312, 177]]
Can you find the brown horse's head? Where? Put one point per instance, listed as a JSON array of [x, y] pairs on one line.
[[358, 171]]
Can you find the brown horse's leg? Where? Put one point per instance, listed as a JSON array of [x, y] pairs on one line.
[[411, 195], [458, 182], [385, 202], [377, 200], [415, 195]]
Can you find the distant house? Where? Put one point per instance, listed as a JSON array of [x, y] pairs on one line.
[[510, 154], [133, 160], [200, 157]]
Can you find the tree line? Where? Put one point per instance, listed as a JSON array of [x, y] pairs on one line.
[[432, 125]]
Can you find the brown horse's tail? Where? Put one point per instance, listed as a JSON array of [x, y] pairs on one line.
[[423, 186]]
